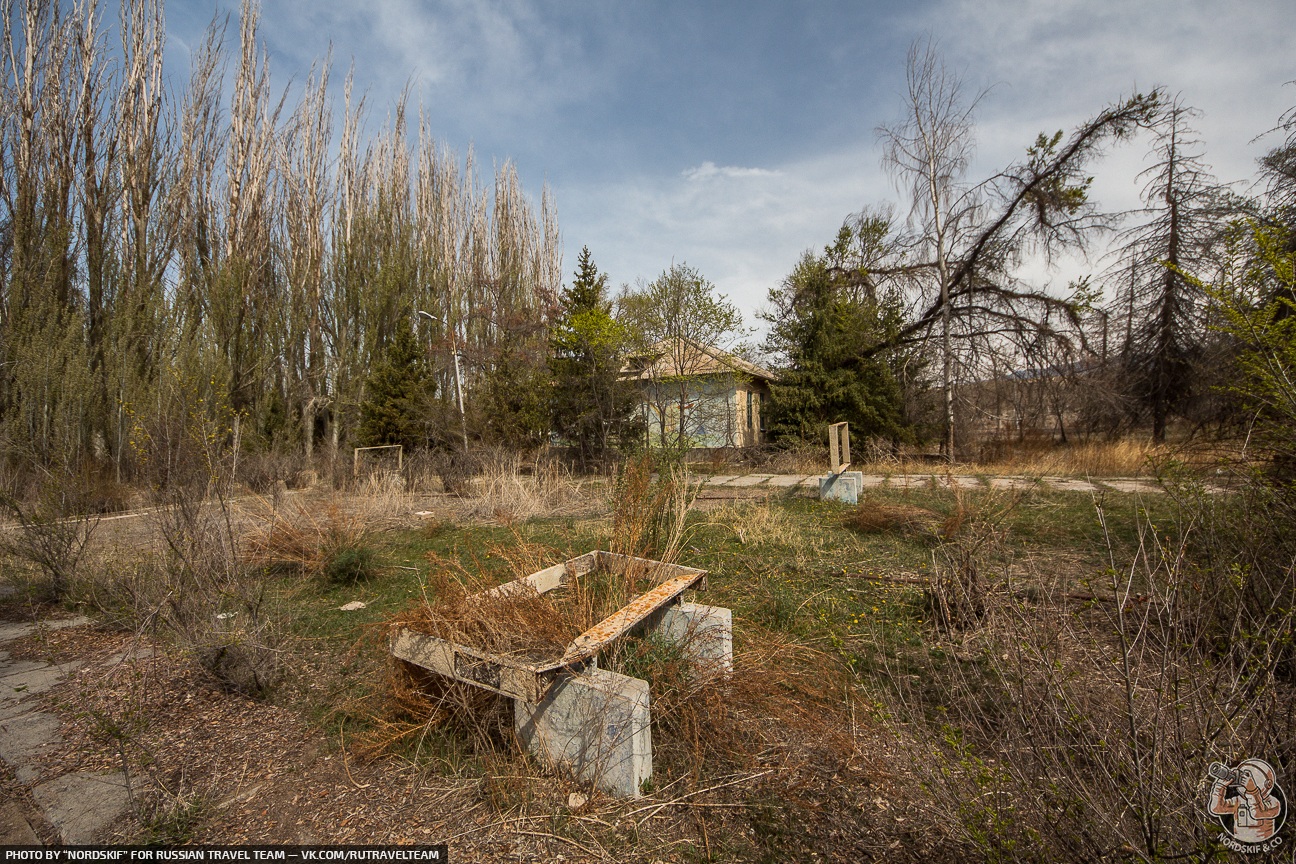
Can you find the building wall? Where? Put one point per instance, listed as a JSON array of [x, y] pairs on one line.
[[716, 412]]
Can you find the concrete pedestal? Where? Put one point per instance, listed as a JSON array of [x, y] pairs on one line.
[[704, 633], [595, 725], [844, 487]]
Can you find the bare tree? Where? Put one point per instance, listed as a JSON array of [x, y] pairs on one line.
[[304, 165], [927, 153], [971, 237]]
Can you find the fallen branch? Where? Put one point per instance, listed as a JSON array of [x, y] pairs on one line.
[[682, 798], [585, 849]]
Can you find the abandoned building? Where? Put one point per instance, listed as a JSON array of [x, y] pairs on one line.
[[699, 396]]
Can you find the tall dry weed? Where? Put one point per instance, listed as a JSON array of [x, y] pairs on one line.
[[503, 492], [1045, 729], [650, 504]]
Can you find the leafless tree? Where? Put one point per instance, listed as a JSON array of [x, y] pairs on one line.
[[971, 237], [928, 152]]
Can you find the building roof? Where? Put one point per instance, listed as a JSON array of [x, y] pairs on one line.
[[685, 357]]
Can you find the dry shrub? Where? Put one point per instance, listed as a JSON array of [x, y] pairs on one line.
[[1011, 451], [456, 470], [874, 517], [973, 537], [799, 459], [261, 472], [52, 535], [1065, 733], [299, 539], [197, 591], [422, 472], [417, 703], [650, 502]]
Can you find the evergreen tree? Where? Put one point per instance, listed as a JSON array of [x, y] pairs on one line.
[[591, 403], [397, 392], [820, 325], [515, 399], [1163, 307]]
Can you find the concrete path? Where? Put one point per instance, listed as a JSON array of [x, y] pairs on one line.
[[78, 806], [943, 481]]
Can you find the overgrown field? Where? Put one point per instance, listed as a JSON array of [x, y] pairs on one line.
[[934, 674]]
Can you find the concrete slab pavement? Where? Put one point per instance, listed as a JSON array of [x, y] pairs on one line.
[[78, 806]]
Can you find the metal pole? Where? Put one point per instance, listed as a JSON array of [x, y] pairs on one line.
[[463, 424]]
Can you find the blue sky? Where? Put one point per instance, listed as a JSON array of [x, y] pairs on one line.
[[733, 136]]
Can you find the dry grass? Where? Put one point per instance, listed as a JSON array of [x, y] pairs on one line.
[[459, 606], [501, 491], [1032, 457], [462, 610], [302, 538], [758, 521], [1129, 457]]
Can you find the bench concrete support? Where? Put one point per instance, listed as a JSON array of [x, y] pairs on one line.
[[844, 487], [705, 633], [596, 725]]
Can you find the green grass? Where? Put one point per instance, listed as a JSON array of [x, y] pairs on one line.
[[787, 565]]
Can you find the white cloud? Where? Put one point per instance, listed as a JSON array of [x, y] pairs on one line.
[[608, 101], [745, 237], [708, 169]]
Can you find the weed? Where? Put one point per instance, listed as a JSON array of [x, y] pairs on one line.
[[650, 503], [172, 820], [778, 607], [52, 534], [350, 565]]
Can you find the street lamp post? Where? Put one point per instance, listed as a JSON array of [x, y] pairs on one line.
[[463, 425]]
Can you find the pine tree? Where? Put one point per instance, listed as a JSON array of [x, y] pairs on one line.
[[819, 326], [395, 408], [591, 403]]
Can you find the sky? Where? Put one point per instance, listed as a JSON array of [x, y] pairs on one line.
[[733, 136]]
